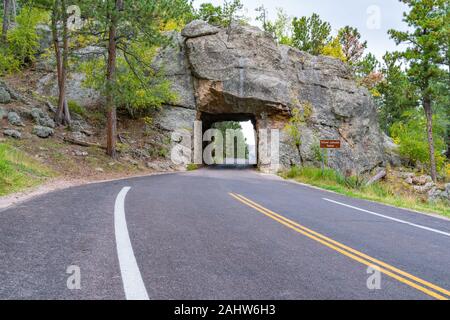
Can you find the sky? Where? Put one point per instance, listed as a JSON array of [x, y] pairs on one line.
[[373, 18]]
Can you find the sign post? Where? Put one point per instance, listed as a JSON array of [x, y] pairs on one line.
[[328, 144]]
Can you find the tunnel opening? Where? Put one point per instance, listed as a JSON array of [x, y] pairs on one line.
[[237, 146]]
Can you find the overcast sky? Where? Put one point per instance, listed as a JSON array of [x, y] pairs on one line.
[[373, 18]]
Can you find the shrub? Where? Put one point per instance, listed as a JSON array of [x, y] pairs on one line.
[[22, 41], [411, 135], [74, 107], [192, 167], [139, 89]]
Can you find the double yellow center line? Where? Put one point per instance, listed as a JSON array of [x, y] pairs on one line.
[[402, 276]]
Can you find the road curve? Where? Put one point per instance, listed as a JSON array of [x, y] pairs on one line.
[[219, 234]]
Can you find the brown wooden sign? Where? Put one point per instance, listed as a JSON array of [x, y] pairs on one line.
[[330, 144]]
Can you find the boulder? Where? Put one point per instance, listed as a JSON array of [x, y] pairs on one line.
[[409, 180], [174, 118], [425, 188], [79, 153], [422, 180], [76, 91], [15, 119], [436, 194], [43, 132], [391, 151], [199, 28], [42, 118], [12, 133], [5, 96]]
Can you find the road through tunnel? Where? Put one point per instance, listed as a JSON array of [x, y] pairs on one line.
[[230, 139]]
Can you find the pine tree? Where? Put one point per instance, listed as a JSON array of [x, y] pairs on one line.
[[426, 55]]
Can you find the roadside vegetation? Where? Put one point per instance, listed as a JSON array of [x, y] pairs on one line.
[[18, 171], [390, 192]]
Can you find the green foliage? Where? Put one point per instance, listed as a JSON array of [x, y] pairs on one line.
[[18, 171], [426, 56], [410, 133], [351, 44], [299, 117], [281, 28], [428, 40], [355, 187], [310, 34], [22, 41], [231, 10], [397, 95], [366, 66], [138, 90], [192, 167], [220, 15], [319, 154], [211, 14], [334, 49], [74, 107]]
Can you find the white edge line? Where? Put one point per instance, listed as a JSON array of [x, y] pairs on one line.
[[131, 276], [407, 210], [390, 218]]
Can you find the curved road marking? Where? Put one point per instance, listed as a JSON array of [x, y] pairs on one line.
[[390, 218], [133, 284], [402, 276]]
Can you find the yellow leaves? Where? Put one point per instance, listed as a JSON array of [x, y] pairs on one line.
[[171, 25], [140, 93], [334, 49], [375, 93]]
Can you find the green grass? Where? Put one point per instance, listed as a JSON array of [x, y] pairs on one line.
[[76, 108], [355, 187], [18, 171], [192, 167]]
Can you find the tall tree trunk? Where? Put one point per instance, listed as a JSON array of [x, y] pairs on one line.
[[13, 10], [111, 131], [6, 14], [62, 113], [55, 38], [429, 114]]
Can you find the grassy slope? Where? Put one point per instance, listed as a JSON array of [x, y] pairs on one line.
[[19, 171], [380, 192]]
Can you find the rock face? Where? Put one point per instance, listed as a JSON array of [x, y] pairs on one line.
[[15, 120], [12, 133], [5, 97], [43, 132], [76, 91], [42, 118], [440, 195], [247, 76]]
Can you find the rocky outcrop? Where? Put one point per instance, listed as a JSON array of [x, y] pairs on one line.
[[42, 118], [12, 133], [436, 194], [76, 90], [5, 97], [15, 120], [43, 132], [247, 73]]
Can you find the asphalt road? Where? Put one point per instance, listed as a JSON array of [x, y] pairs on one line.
[[219, 234]]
